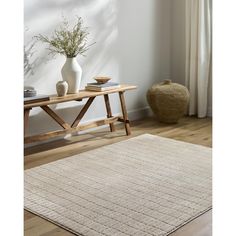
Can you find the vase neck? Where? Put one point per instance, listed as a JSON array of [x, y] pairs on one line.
[[71, 59], [167, 81]]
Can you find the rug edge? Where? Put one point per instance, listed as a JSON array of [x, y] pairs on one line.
[[78, 234], [189, 220], [145, 134], [138, 136], [53, 222], [172, 139]]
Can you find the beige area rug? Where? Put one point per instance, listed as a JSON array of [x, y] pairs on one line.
[[147, 185]]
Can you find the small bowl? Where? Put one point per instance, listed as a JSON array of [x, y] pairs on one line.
[[102, 80]]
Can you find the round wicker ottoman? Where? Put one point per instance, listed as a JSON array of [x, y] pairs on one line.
[[168, 101]]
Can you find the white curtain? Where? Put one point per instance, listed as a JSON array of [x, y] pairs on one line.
[[199, 55]]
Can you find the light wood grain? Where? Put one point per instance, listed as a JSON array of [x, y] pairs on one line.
[[190, 129], [91, 95], [55, 117], [82, 112], [124, 112], [79, 96], [109, 112], [52, 134], [26, 120]]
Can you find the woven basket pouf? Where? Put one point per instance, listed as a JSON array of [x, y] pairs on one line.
[[168, 101]]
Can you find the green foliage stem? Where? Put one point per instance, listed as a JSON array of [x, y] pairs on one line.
[[66, 41]]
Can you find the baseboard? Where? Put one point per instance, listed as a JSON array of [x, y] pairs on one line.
[[139, 113], [133, 115]]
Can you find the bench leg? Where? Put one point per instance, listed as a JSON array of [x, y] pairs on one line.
[[26, 121], [109, 113], [124, 112], [82, 112]]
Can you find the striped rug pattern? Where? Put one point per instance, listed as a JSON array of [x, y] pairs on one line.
[[144, 186]]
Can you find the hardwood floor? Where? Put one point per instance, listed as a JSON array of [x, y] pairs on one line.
[[189, 129]]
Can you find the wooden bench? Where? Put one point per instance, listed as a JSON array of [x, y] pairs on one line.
[[76, 126]]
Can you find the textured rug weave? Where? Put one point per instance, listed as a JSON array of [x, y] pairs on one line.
[[147, 185]]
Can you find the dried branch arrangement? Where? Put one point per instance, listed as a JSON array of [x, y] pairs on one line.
[[68, 41]]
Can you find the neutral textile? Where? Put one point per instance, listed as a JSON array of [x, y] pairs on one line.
[[147, 185], [198, 76]]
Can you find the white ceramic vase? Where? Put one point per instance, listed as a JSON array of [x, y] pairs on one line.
[[62, 88], [72, 73]]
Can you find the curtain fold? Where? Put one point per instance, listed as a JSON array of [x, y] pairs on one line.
[[199, 55]]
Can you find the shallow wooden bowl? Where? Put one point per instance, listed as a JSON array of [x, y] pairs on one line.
[[102, 80]]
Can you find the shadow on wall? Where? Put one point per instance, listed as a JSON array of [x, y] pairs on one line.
[[46, 18], [132, 46], [99, 58]]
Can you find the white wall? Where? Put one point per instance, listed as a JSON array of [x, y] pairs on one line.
[[132, 46], [178, 41]]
